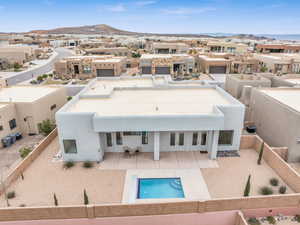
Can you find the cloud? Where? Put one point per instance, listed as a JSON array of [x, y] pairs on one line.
[[145, 3], [116, 8], [187, 11]]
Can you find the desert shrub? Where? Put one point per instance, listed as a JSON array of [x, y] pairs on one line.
[[24, 152], [46, 127], [274, 181], [282, 189], [69, 98], [68, 164], [88, 164], [253, 221], [40, 78], [271, 220], [266, 190], [297, 218], [44, 76], [10, 195]]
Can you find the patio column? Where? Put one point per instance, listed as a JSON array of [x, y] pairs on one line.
[[156, 145], [214, 144]]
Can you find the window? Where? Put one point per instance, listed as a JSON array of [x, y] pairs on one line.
[[12, 124], [1, 127], [203, 138], [108, 140], [172, 139], [53, 107], [70, 146], [132, 133], [225, 137], [144, 138], [87, 69], [195, 138], [119, 138], [181, 139]]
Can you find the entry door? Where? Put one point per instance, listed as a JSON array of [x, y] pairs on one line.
[[199, 141], [178, 141]]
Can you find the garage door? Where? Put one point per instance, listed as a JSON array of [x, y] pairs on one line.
[[162, 70], [217, 69], [146, 70], [105, 72]]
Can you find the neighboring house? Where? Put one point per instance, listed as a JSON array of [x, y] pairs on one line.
[[151, 114], [22, 108], [276, 114], [167, 48], [226, 47], [17, 54], [84, 67], [213, 64], [279, 63], [170, 64], [119, 51], [278, 48], [244, 64]]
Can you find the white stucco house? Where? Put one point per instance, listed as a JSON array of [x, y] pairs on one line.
[[151, 114]]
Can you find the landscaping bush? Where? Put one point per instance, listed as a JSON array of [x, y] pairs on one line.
[[10, 195], [260, 153], [271, 220], [46, 127], [44, 76], [248, 186], [88, 164], [69, 98], [24, 152], [253, 221], [282, 189], [274, 182], [85, 198], [68, 164], [266, 190], [40, 79], [55, 200]]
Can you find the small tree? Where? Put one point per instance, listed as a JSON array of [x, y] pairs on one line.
[[260, 153], [86, 198], [55, 200], [248, 186], [46, 126], [17, 66]]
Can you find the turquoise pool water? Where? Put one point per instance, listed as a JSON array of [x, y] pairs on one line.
[[159, 188]]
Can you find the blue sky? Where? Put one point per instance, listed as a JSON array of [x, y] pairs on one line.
[[160, 16]]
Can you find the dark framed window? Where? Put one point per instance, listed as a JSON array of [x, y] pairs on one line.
[[195, 138], [172, 139], [1, 127], [132, 133], [12, 124], [70, 146], [144, 138], [53, 107], [181, 138], [225, 137], [119, 140], [108, 140], [203, 138]]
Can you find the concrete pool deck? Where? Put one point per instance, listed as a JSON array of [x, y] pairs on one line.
[[194, 189], [168, 160]]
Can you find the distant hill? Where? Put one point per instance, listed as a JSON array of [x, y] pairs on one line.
[[103, 29]]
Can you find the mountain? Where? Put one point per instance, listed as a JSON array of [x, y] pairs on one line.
[[92, 29], [103, 29]]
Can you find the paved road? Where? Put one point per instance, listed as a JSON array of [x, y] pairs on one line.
[[34, 72]]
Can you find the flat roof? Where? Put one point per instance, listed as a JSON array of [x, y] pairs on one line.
[[286, 96], [24, 93], [2, 105], [105, 86], [207, 58], [156, 101]]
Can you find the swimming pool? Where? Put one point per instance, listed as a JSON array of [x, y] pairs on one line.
[[159, 188]]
